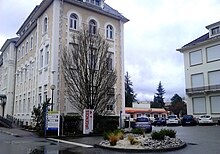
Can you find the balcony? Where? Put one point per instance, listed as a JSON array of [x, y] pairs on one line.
[[203, 90]]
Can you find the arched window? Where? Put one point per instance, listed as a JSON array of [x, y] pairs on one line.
[[109, 32], [92, 26], [73, 21], [45, 25]]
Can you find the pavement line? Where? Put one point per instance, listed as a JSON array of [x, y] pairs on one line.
[[73, 143]]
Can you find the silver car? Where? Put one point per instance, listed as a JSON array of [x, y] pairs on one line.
[[143, 123]]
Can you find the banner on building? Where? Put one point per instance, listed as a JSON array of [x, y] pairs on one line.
[[87, 121]]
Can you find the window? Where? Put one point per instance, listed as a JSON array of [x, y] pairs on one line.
[[94, 2], [110, 107], [92, 26], [19, 54], [213, 53], [73, 21], [47, 55], [41, 58], [138, 114], [197, 80], [22, 52], [215, 104], [215, 30], [45, 25], [31, 43], [214, 78], [195, 57], [110, 61], [199, 106], [109, 32], [26, 48]]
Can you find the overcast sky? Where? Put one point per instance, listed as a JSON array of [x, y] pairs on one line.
[[155, 30]]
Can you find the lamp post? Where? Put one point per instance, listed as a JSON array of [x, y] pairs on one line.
[[52, 87]]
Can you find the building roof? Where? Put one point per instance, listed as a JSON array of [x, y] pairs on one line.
[[7, 42], [37, 11], [198, 40], [149, 110]]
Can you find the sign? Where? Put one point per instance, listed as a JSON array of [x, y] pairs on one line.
[[53, 121], [87, 121]]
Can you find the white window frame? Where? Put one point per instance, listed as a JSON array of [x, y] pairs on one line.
[[214, 77], [109, 32], [214, 54], [196, 101], [194, 80], [195, 57], [73, 21], [45, 25], [92, 26], [215, 104], [26, 48], [47, 55]]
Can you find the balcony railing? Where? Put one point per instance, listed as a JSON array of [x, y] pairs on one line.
[[204, 89]]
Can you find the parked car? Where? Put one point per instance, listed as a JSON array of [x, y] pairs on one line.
[[188, 120], [161, 121], [205, 119], [172, 120], [219, 120], [144, 123]]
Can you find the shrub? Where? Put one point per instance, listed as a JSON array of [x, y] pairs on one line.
[[157, 135], [168, 132], [132, 140], [120, 134], [105, 123], [72, 125], [162, 133], [113, 139], [105, 135], [137, 131]]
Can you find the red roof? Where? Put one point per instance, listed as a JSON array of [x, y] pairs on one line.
[[153, 110]]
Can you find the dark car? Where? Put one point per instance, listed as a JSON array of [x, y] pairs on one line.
[[143, 123], [219, 120], [189, 120], [161, 121]]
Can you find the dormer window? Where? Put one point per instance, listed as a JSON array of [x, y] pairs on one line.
[[215, 30], [94, 2]]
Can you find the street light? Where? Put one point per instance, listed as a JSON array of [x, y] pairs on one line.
[[52, 87]]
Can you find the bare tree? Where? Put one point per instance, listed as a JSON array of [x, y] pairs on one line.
[[89, 74]]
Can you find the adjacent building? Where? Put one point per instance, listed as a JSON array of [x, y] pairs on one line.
[[202, 72], [37, 74]]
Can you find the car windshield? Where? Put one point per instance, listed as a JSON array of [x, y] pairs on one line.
[[205, 116], [188, 117], [143, 119], [172, 117]]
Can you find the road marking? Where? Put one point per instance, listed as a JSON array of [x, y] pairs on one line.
[[73, 143]]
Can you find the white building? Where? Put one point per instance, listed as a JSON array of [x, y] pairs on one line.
[[42, 38], [202, 73], [7, 75]]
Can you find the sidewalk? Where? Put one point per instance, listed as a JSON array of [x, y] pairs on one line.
[[18, 132]]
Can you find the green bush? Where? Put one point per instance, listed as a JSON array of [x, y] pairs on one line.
[[105, 123], [162, 133], [72, 125], [137, 131], [105, 135]]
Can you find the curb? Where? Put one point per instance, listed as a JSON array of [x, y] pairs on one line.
[[9, 133], [141, 150]]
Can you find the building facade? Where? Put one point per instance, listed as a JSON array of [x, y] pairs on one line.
[[43, 36], [202, 73]]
